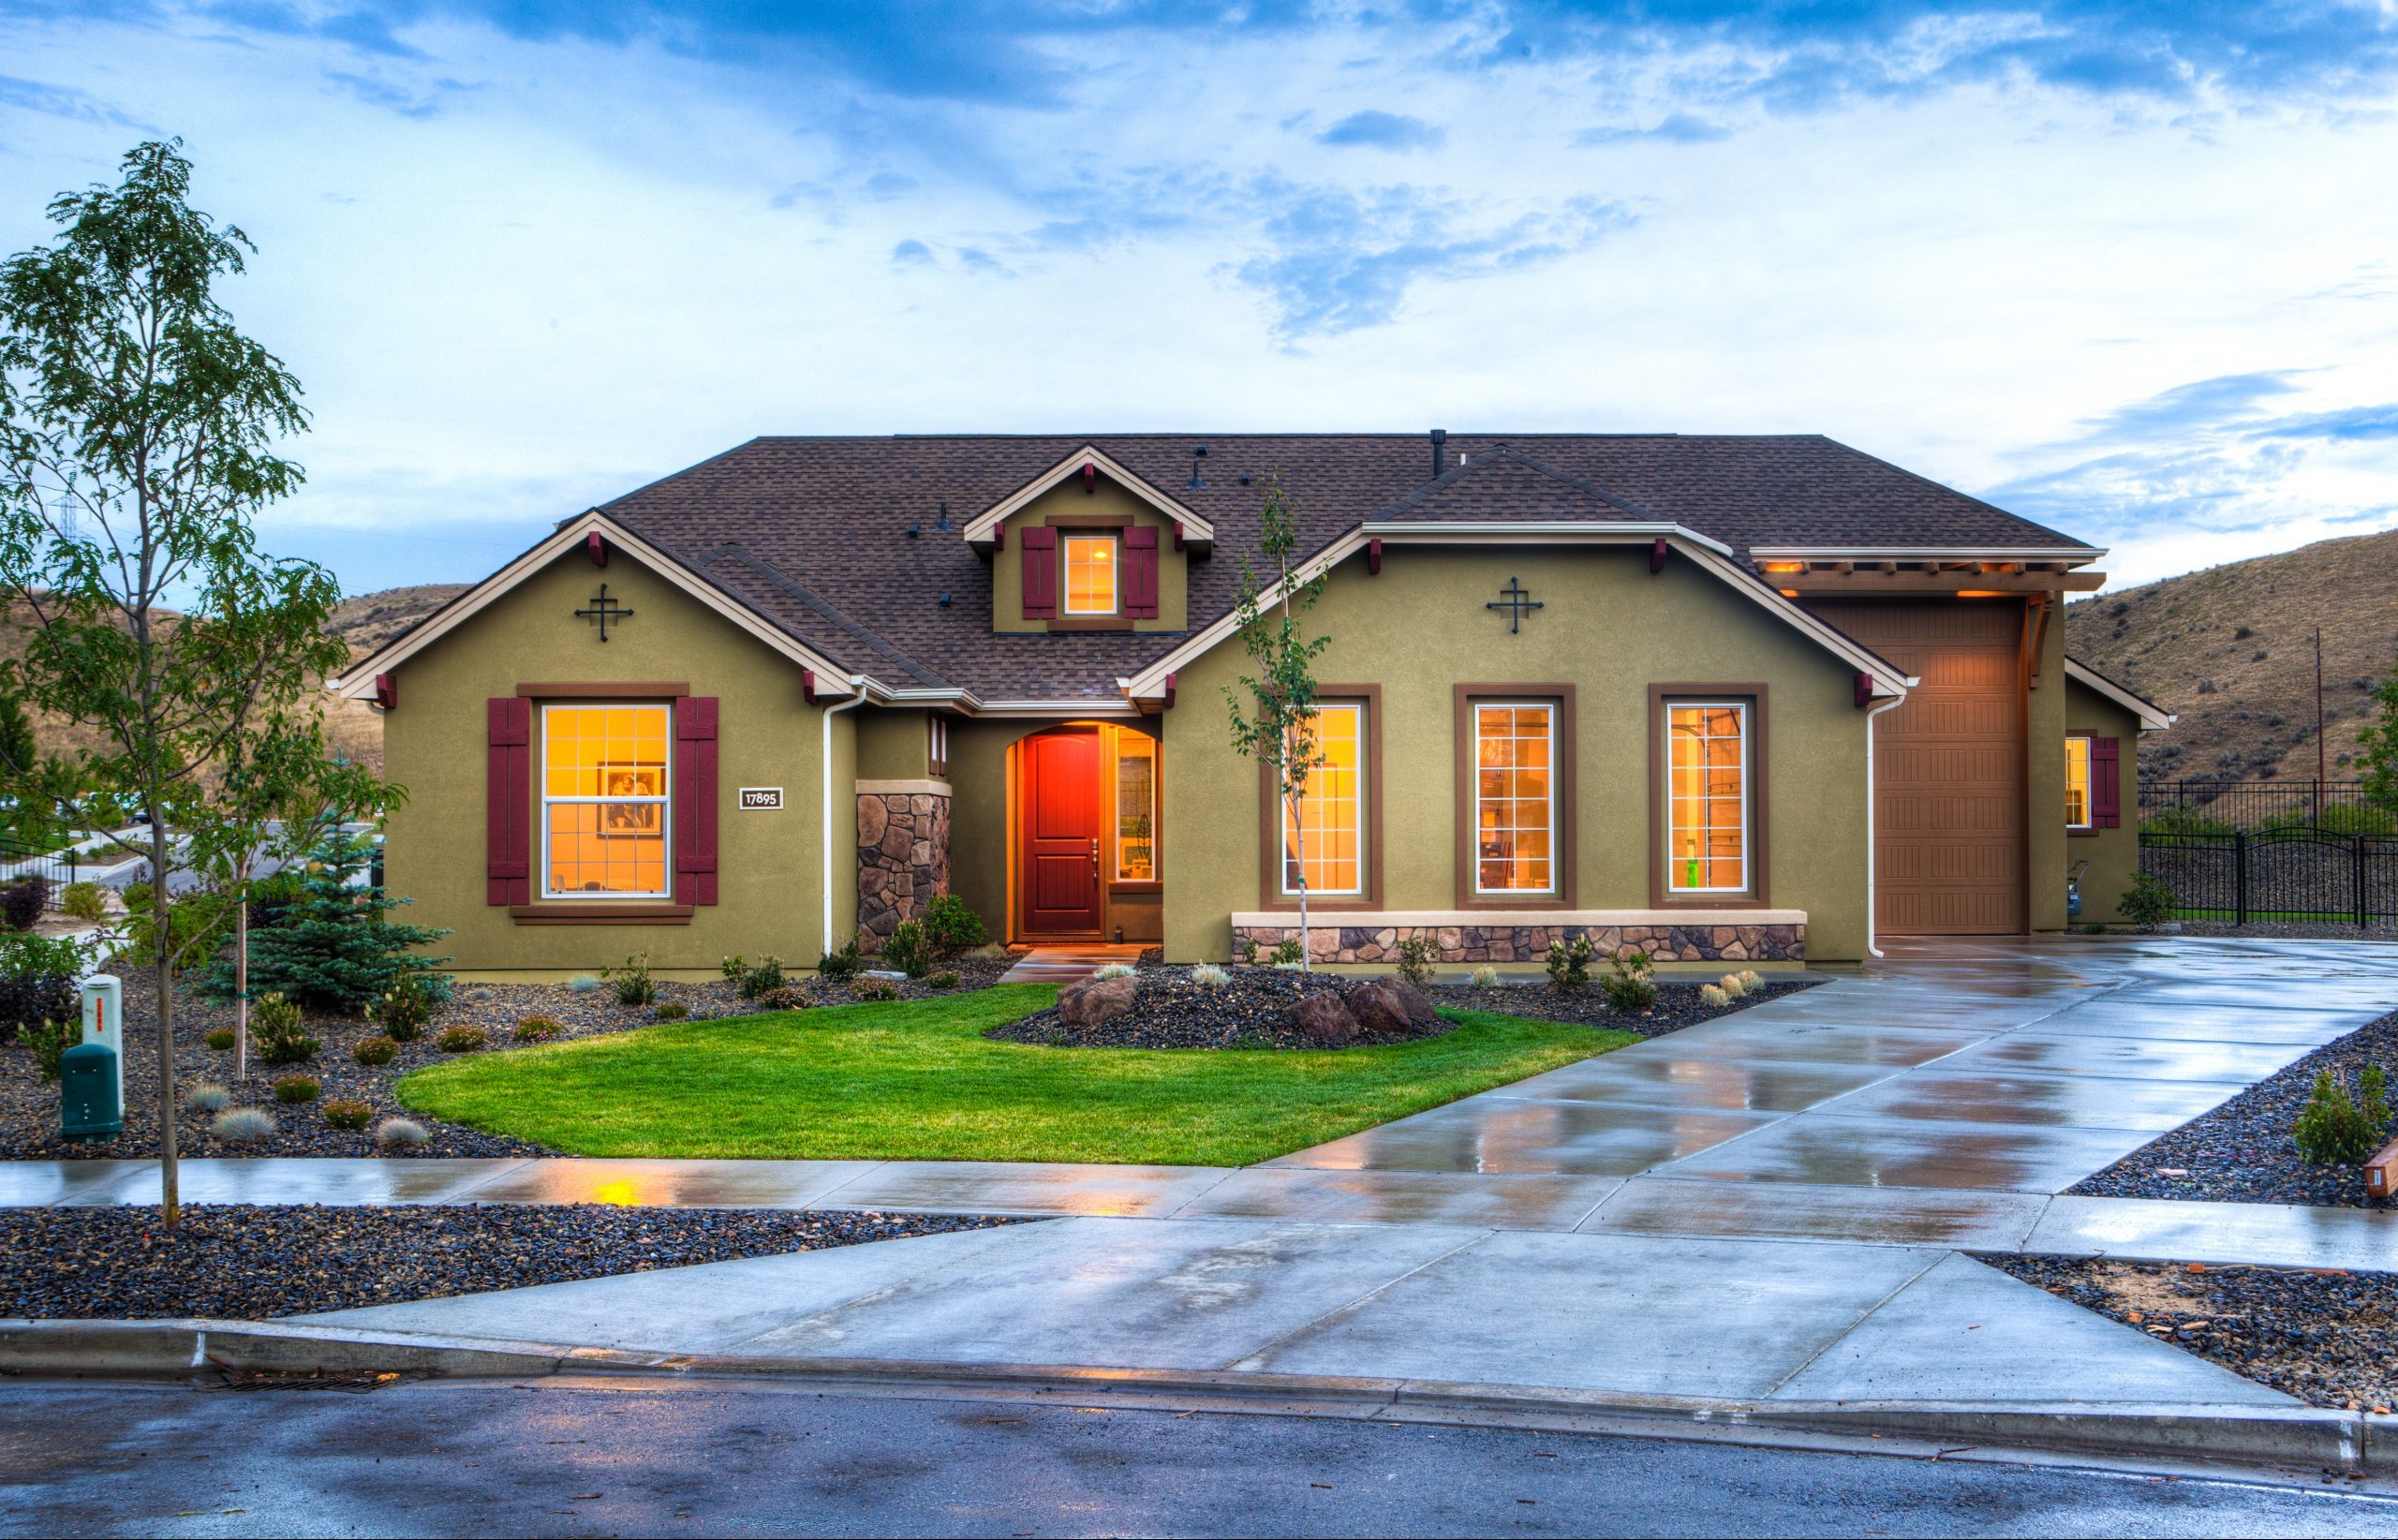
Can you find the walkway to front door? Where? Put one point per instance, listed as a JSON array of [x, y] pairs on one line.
[[1067, 964]]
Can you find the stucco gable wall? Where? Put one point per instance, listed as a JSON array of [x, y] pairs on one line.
[[1068, 500], [769, 870], [1607, 626], [2113, 853]]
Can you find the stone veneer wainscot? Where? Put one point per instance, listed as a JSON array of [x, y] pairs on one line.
[[903, 853], [1338, 937]]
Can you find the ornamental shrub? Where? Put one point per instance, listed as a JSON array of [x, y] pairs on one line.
[[83, 901], [1289, 953], [1569, 964], [788, 996], [221, 1038], [2332, 1130], [634, 986], [2147, 902], [196, 925], [38, 976], [297, 1088], [946, 979], [1627, 984], [874, 990], [375, 1051], [908, 951], [766, 974], [404, 1008], [47, 1040], [733, 968], [846, 964], [277, 1031], [952, 926], [352, 1114], [21, 903], [465, 1040], [1419, 958], [335, 947], [530, 1030], [672, 1010]]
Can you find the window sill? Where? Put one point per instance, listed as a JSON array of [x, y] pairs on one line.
[[1710, 900], [1091, 623], [2071, 832], [601, 912]]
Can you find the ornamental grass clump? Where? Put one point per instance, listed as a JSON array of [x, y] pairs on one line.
[[1569, 964], [583, 984], [241, 1125], [1210, 976], [465, 1040], [2332, 1129], [401, 1134], [1419, 958], [1115, 971], [530, 1030], [349, 1115], [206, 1098], [297, 1088], [375, 1051], [1751, 982], [219, 1038], [1713, 997], [1627, 984], [1485, 977], [1731, 987], [276, 1029], [634, 986]]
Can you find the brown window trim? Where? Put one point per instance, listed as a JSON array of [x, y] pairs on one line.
[[1269, 853], [1660, 895], [1091, 623], [601, 912], [1562, 840], [2083, 831], [1088, 521], [1114, 740], [586, 689]]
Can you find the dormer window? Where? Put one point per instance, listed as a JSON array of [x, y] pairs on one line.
[[1091, 574]]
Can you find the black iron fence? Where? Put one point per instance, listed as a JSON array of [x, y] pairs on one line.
[[2224, 807], [19, 861], [2300, 874]]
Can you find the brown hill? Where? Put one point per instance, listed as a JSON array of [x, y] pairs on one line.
[[2232, 650]]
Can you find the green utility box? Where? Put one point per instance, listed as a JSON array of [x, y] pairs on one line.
[[90, 1106]]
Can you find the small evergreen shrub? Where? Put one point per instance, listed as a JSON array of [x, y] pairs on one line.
[[1209, 976], [842, 966], [297, 1088], [1569, 964], [2147, 902], [1713, 997], [1115, 970], [404, 1008], [1289, 953], [784, 997], [907, 950], [767, 974], [22, 902], [1627, 984], [1485, 977], [634, 986], [672, 1010], [83, 901], [530, 1030], [334, 947], [276, 1030], [221, 1038], [952, 926], [1419, 958], [205, 1099], [874, 990], [946, 979], [349, 1115], [465, 1040], [373, 1051], [401, 1134], [241, 1125], [2333, 1130]]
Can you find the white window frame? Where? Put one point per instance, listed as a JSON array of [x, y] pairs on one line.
[[1283, 819], [2089, 783], [1748, 817], [1550, 709], [1066, 539], [543, 801]]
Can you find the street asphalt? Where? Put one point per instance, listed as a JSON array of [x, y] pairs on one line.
[[561, 1457]]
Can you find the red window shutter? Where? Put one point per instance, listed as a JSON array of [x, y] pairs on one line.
[[695, 799], [508, 796], [1141, 572], [2106, 785], [1039, 573]]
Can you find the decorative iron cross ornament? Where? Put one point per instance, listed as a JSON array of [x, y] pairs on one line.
[[604, 610], [1514, 600]]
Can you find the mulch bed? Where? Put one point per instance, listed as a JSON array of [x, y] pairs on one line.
[[2323, 1337], [1253, 1010], [243, 1262], [29, 1104], [2240, 1151]]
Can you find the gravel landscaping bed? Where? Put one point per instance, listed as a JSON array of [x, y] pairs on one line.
[[245, 1262], [29, 1104], [1254, 1011], [2321, 1335], [2240, 1151]]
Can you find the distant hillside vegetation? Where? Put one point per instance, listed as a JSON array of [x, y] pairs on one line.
[[2232, 650]]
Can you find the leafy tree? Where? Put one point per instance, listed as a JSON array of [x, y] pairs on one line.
[[334, 948], [137, 433], [2377, 747], [1273, 710]]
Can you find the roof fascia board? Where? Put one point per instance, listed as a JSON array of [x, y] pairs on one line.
[[357, 682], [979, 527], [1591, 530], [2076, 553], [2151, 714]]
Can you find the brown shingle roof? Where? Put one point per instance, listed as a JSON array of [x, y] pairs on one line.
[[812, 533]]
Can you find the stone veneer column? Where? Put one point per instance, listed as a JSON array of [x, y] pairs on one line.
[[903, 856]]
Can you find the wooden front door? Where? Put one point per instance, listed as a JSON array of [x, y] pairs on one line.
[[1060, 829]]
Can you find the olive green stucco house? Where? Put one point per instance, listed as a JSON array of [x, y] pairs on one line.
[[1729, 699]]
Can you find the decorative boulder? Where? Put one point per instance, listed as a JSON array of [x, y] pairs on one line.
[[1379, 1008], [1418, 1004], [1324, 1018], [1095, 1002]]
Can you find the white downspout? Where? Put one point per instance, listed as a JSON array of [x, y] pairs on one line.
[[1870, 712], [858, 683]]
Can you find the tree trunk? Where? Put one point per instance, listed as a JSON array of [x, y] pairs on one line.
[[241, 985], [162, 946], [1299, 846]]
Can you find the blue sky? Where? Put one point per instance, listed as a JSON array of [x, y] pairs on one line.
[[2128, 268]]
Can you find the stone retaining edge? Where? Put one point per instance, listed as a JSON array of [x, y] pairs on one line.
[[178, 1350]]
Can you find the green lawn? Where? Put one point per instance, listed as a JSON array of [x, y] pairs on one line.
[[917, 1080]]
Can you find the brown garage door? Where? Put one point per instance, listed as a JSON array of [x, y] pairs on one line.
[[1949, 767]]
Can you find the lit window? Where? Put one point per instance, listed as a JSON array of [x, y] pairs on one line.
[[2076, 783], [1136, 808], [1707, 819], [603, 801], [1091, 574], [937, 746], [1513, 806], [1330, 813]]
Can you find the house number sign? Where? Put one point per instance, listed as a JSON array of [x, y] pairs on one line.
[[762, 799]]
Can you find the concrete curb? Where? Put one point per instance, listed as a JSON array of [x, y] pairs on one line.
[[2236, 1435]]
